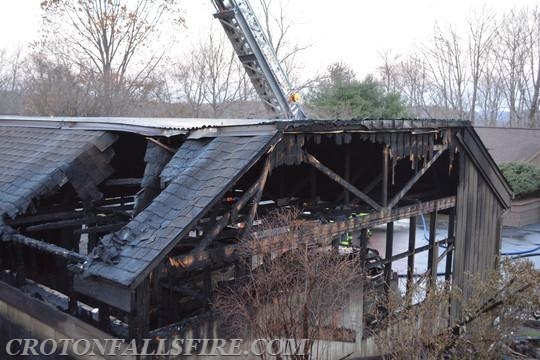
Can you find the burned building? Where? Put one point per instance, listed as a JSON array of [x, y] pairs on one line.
[[123, 224]]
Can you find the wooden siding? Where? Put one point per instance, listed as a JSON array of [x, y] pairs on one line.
[[478, 215]]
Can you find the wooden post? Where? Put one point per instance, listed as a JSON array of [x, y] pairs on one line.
[[384, 189], [104, 318], [347, 173], [388, 254], [73, 305], [433, 252], [410, 259], [363, 247], [261, 183], [20, 277], [139, 317], [449, 255]]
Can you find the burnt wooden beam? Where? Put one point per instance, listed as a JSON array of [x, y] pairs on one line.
[[45, 247], [334, 176], [347, 173], [254, 191], [73, 303], [449, 257], [369, 187], [139, 317], [366, 190], [433, 250], [20, 276], [388, 253], [69, 223], [104, 319], [410, 260], [261, 183], [124, 182], [384, 188], [161, 145], [363, 247], [26, 220], [100, 229], [415, 178]]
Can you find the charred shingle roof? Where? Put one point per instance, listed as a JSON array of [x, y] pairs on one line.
[[200, 174], [34, 162]]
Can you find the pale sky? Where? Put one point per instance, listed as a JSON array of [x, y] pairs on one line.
[[339, 30]]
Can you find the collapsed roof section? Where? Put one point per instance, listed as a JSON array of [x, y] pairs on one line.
[[34, 162]]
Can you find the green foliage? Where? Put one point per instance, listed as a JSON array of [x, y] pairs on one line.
[[341, 96], [524, 178]]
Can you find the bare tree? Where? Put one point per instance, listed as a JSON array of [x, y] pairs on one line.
[[12, 82], [389, 71], [292, 289], [490, 93], [280, 27], [107, 38], [533, 66], [480, 38], [511, 36], [212, 81], [447, 61], [498, 307], [56, 89]]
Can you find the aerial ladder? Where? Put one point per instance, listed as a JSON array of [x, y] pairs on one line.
[[259, 58]]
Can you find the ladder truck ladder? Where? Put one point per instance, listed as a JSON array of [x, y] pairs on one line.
[[258, 57]]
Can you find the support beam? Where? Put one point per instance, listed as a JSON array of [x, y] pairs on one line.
[[388, 254], [73, 304], [363, 247], [384, 188], [104, 318], [433, 253], [347, 173], [449, 256], [20, 276], [332, 175], [415, 178], [369, 187], [410, 260], [124, 182], [45, 247], [26, 220], [69, 223], [139, 317], [261, 183], [254, 191], [100, 229]]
